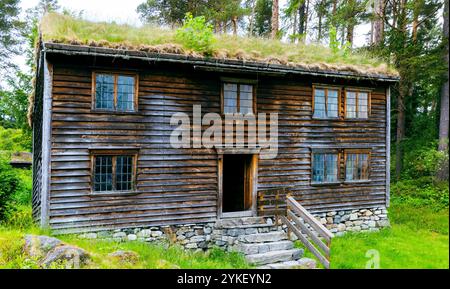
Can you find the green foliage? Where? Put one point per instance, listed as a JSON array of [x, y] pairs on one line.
[[263, 18], [343, 50], [10, 26], [196, 34], [9, 182], [14, 101], [15, 140], [421, 192]]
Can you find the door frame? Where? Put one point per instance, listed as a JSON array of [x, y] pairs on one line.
[[253, 182]]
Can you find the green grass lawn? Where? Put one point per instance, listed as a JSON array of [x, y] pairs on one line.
[[154, 256], [418, 238]]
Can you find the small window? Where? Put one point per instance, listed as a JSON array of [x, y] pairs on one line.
[[326, 103], [325, 167], [113, 172], [115, 92], [356, 104], [356, 166], [238, 98]]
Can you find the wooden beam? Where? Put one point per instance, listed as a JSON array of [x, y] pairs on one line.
[[46, 142], [388, 145]]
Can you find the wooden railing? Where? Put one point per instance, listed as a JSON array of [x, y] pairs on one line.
[[296, 219], [315, 236]]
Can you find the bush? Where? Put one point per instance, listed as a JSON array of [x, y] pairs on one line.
[[426, 161], [15, 140], [421, 192], [9, 182], [196, 34]]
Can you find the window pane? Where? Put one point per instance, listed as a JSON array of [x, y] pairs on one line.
[[125, 93], [350, 167], [103, 174], [246, 99], [362, 105], [350, 103], [230, 98], [104, 91], [318, 168], [363, 166], [319, 103], [332, 103], [124, 173], [332, 167]]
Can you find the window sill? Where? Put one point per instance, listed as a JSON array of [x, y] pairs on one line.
[[100, 111], [114, 194], [357, 182], [326, 118], [325, 184]]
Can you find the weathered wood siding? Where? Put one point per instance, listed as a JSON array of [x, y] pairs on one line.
[[180, 185]]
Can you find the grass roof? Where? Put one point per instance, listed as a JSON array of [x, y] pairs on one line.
[[59, 28]]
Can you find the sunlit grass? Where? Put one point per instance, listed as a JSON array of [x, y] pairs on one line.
[[66, 29]]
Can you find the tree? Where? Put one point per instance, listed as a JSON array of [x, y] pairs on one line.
[[412, 48], [168, 12], [275, 19], [443, 122], [9, 32], [14, 101], [263, 18]]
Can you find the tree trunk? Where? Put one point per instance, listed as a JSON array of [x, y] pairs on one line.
[[234, 21], [378, 25], [301, 18], [274, 19], [400, 135], [349, 38], [294, 28], [443, 121], [319, 32]]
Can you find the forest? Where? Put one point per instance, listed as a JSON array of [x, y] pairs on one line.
[[411, 36]]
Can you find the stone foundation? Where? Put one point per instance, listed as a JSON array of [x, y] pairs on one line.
[[362, 220], [205, 236]]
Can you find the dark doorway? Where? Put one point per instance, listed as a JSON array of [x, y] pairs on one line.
[[237, 183]]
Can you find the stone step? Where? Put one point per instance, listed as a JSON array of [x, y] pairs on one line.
[[303, 263], [235, 222], [273, 236], [257, 248], [274, 256]]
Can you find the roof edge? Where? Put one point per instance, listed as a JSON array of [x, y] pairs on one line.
[[210, 62]]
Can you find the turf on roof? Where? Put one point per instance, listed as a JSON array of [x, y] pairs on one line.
[[59, 28]]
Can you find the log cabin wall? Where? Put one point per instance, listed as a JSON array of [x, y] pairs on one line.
[[176, 186]]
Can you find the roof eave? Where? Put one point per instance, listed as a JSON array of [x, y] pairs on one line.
[[209, 63]]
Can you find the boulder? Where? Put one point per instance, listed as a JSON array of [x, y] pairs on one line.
[[39, 246], [125, 256], [70, 256]]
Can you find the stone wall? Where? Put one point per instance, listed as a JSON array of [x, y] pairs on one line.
[[363, 220], [204, 236]]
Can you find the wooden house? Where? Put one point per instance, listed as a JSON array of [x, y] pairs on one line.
[[102, 157]]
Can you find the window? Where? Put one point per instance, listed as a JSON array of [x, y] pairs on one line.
[[356, 104], [238, 98], [326, 102], [115, 91], [325, 167], [113, 172], [356, 165]]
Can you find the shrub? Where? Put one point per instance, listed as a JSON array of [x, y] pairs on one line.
[[425, 161], [9, 182], [14, 140], [196, 34]]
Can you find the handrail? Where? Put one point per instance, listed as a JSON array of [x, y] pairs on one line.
[[316, 237], [297, 225]]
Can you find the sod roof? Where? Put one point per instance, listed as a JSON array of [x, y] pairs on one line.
[[63, 29]]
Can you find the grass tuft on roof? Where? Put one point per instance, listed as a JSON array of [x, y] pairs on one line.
[[59, 28]]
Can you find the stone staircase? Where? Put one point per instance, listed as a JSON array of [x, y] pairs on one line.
[[264, 244]]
